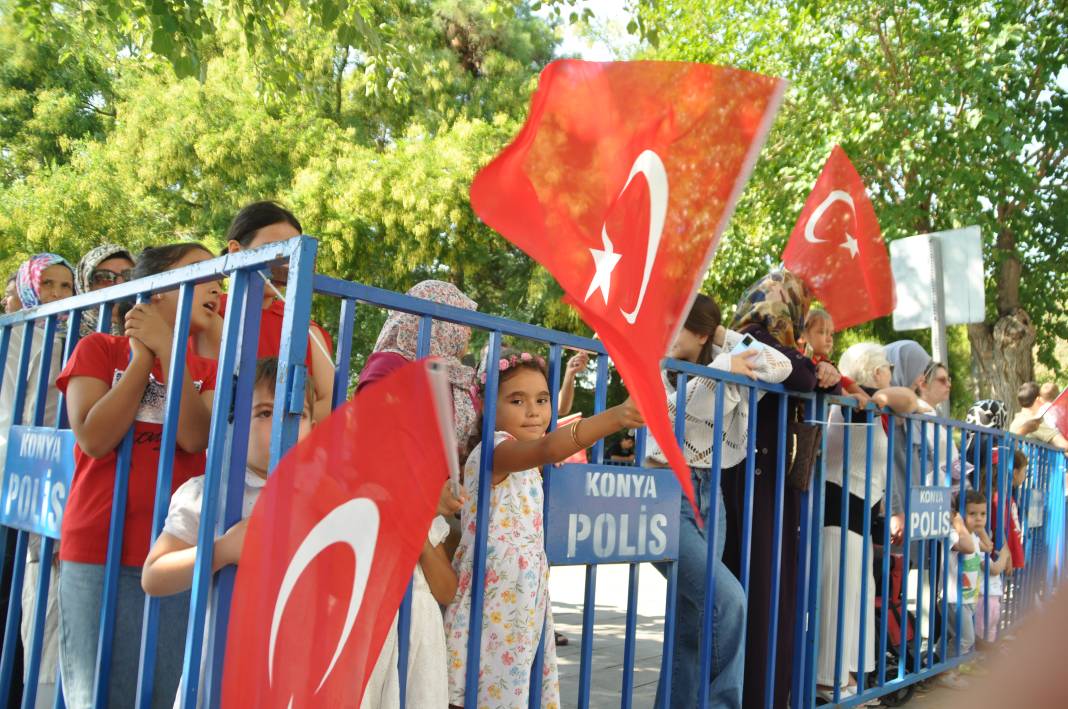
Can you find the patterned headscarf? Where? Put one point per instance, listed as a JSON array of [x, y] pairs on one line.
[[990, 413], [83, 282], [448, 342], [28, 280], [93, 258], [779, 303]]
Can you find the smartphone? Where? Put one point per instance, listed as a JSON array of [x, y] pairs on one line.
[[748, 342]]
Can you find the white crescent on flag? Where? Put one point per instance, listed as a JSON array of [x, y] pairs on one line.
[[354, 523], [651, 166]]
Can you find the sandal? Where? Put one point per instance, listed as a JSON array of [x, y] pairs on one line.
[[560, 639]]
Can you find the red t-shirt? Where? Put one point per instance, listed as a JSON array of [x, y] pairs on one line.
[[271, 332], [1015, 537], [84, 533]]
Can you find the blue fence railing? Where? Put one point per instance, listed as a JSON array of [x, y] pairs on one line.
[[862, 642]]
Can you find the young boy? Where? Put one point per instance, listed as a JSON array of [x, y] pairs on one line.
[[169, 566], [965, 539]]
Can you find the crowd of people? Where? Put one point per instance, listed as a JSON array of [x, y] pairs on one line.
[[116, 378]]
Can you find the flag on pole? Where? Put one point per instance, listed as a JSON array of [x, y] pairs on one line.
[[837, 249], [332, 544], [620, 184]]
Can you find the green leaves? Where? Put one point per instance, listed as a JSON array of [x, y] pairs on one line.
[[374, 151], [943, 109]]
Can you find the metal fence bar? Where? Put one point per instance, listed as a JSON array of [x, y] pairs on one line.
[[164, 477], [865, 563], [112, 561], [902, 668], [213, 473], [404, 613], [600, 400], [668, 648], [538, 666], [37, 628], [712, 523], [485, 473], [843, 551], [251, 311], [888, 495], [627, 691], [776, 551], [804, 576], [808, 684]]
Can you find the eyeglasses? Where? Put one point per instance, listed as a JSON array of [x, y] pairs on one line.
[[104, 277]]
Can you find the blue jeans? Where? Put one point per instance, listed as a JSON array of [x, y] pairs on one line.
[[81, 588], [728, 610]]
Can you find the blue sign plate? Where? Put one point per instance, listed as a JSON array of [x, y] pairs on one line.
[[37, 476], [608, 514], [930, 512], [1036, 509]]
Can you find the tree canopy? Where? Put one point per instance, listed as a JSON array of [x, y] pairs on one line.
[[952, 113], [112, 144]]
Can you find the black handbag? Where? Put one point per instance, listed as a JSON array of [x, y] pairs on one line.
[[805, 441]]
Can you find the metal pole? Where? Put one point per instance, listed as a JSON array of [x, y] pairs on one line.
[[939, 346]]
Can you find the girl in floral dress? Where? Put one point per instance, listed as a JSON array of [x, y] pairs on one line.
[[516, 613]]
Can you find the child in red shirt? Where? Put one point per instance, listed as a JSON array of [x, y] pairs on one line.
[[112, 384]]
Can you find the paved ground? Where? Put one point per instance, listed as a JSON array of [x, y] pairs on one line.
[[567, 586]]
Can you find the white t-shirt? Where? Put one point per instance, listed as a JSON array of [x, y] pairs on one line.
[[970, 576], [183, 517]]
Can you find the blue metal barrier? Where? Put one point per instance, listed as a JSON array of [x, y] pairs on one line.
[[928, 442]]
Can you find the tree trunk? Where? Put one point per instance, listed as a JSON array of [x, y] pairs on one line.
[[1001, 356], [1002, 353]]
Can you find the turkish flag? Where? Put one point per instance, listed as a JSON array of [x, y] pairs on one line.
[[837, 249], [1056, 414], [331, 545], [620, 184]]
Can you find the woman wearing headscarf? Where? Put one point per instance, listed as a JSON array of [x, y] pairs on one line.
[[42, 279], [398, 344], [103, 266], [773, 312], [909, 365]]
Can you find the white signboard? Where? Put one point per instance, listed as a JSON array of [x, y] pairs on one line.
[[962, 278]]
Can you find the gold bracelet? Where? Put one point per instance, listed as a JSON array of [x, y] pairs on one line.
[[574, 435]]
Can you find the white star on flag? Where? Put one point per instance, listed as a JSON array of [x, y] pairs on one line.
[[604, 261], [851, 244]]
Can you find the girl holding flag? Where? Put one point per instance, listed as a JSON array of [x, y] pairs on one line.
[[516, 614]]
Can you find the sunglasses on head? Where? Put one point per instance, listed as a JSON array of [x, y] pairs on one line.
[[104, 277]]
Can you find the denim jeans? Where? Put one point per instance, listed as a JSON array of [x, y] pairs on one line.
[[81, 588], [728, 610]]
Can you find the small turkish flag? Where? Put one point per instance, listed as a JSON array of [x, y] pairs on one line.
[[1056, 414], [331, 546], [620, 184], [837, 249]]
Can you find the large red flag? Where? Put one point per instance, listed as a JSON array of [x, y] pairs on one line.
[[837, 249], [331, 546], [620, 184]]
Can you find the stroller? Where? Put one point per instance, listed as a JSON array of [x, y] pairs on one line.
[[899, 621]]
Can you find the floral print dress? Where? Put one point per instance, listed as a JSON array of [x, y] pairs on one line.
[[516, 612]]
